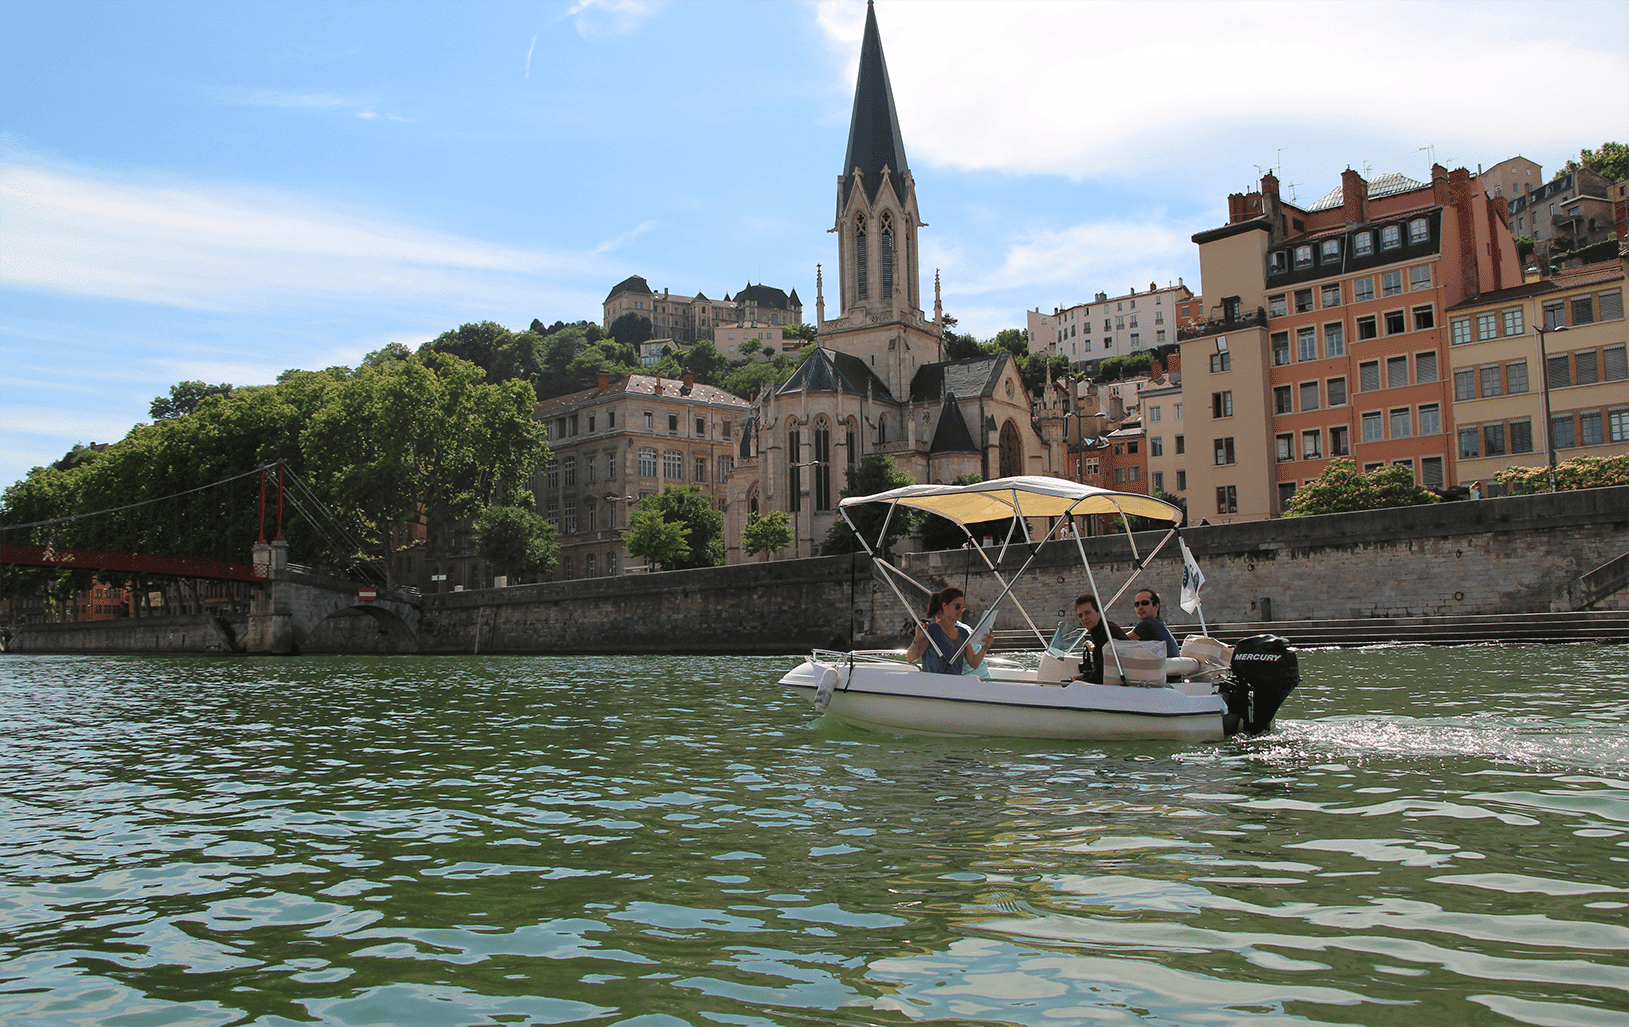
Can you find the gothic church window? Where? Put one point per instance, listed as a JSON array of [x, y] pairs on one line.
[[887, 256], [862, 269]]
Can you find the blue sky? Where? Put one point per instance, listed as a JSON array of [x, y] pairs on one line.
[[222, 191]]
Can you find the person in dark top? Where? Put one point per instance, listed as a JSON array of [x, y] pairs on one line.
[[1099, 632], [944, 607], [1151, 628]]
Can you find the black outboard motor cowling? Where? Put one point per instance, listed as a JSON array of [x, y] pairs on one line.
[[1265, 672]]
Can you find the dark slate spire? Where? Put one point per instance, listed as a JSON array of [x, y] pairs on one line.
[[873, 131]]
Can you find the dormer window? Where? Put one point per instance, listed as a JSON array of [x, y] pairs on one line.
[[1303, 257], [1391, 237], [1276, 264], [1363, 244], [1419, 231], [1331, 251]]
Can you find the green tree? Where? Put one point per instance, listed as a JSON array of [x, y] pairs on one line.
[[516, 540], [962, 347], [700, 527], [632, 329], [1129, 366], [1583, 472], [184, 398], [767, 533], [876, 473], [1013, 340], [480, 343], [749, 347], [706, 363], [1343, 488], [805, 332], [1609, 160], [387, 354]]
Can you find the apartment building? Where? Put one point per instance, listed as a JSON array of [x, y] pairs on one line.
[[1565, 215], [1518, 390], [619, 442], [1108, 326], [1511, 177], [1326, 338]]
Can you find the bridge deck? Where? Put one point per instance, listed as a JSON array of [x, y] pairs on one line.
[[130, 563]]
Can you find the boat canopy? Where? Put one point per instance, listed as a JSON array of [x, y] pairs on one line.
[[1023, 496]]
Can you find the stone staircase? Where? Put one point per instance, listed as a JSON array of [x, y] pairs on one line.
[[1583, 626]]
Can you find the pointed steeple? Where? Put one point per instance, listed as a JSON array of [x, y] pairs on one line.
[[874, 141]]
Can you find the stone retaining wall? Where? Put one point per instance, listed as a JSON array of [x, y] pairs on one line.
[[181, 633]]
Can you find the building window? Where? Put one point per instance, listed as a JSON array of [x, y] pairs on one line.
[[1612, 305], [822, 469], [1309, 396], [1513, 321], [1306, 343], [1419, 277], [1395, 322], [1431, 472], [1182, 481], [1396, 372], [1362, 290], [1157, 478], [673, 424], [1340, 440], [1332, 295], [589, 464], [1583, 310], [1286, 447], [611, 466], [1555, 315], [1337, 391], [1221, 362], [1369, 376], [1281, 400], [701, 470], [1154, 414], [1312, 445], [647, 463], [1615, 362], [1464, 384], [1419, 231], [726, 464], [1468, 443], [649, 425], [1276, 306], [1281, 348], [1516, 377], [553, 478], [1589, 428], [1176, 413], [1490, 380], [1424, 318], [1561, 432], [1391, 237], [1425, 366], [1459, 331], [1430, 419], [1331, 251], [1303, 257], [1224, 451], [1494, 436], [1560, 371], [1221, 404], [1286, 490], [1227, 499], [1303, 300], [1617, 424], [1119, 475], [1156, 446], [1585, 368], [1391, 283], [1373, 429], [610, 420], [1363, 244], [1134, 473], [1334, 339], [1400, 423], [569, 516], [568, 470], [1277, 263], [673, 465], [1367, 328], [1521, 436]]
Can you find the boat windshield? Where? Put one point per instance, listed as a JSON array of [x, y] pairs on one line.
[[1068, 638]]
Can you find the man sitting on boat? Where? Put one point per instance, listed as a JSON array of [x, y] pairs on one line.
[[945, 632], [1098, 631], [1151, 628]]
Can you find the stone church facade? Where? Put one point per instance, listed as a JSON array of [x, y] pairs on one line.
[[877, 383]]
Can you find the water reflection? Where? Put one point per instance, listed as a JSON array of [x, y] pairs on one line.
[[1430, 836]]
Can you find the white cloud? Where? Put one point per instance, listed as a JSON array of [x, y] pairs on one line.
[[610, 19], [207, 246], [1112, 89], [625, 237]]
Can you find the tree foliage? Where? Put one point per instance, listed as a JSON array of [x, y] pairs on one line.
[[805, 332], [1115, 369], [516, 540], [1583, 472], [876, 473], [184, 398], [1610, 160], [687, 509], [767, 533], [1343, 488], [632, 329]]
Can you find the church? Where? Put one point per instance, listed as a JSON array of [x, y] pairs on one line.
[[878, 383]]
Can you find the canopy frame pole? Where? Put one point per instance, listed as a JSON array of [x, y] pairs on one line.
[[1009, 585], [887, 576]]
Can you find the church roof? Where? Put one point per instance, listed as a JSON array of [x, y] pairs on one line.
[[830, 371], [975, 376], [763, 295], [633, 283], [952, 436], [873, 131]]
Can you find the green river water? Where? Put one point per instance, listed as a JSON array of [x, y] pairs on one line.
[[1431, 836]]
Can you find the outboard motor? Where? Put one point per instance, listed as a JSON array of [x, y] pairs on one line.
[[1265, 672]]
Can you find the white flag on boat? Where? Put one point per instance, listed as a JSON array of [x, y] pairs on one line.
[[1192, 578]]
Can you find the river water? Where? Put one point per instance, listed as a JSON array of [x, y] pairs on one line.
[[1431, 836]]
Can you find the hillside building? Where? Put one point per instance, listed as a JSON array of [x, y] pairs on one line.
[[1109, 326], [690, 319]]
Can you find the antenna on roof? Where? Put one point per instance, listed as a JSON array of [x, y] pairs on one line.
[[1430, 151]]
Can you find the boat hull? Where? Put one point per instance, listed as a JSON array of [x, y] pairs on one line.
[[899, 699]]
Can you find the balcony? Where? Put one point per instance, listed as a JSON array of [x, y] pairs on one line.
[[1221, 326]]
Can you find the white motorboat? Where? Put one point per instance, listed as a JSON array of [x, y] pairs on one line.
[[1210, 692]]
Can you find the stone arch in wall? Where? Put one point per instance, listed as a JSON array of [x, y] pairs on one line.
[[1012, 451]]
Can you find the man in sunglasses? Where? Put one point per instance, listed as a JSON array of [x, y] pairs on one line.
[[1149, 626]]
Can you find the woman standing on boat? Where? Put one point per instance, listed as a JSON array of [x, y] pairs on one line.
[[947, 632]]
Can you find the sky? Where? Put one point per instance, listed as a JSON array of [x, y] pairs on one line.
[[223, 191]]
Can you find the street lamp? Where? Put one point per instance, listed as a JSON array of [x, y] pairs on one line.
[[1549, 426], [797, 505]]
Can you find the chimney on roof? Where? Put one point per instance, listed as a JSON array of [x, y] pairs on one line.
[[689, 380], [1439, 185], [657, 388], [1155, 369], [605, 378], [1354, 198]]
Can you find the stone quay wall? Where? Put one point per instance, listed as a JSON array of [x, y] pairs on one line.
[[777, 607], [1518, 554], [179, 633]]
